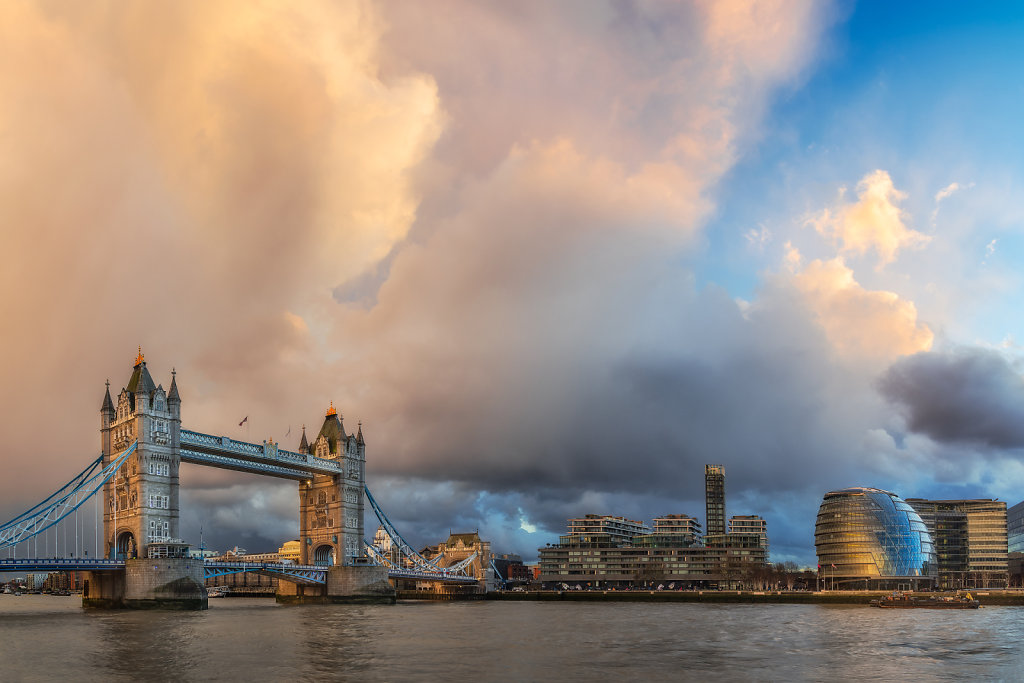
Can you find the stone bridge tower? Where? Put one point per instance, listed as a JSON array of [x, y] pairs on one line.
[[141, 500], [331, 506]]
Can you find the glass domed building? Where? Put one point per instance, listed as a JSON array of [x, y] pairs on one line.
[[869, 538]]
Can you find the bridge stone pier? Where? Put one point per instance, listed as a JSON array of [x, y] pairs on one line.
[[164, 583], [141, 503]]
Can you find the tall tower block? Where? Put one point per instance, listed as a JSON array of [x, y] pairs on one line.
[[141, 500], [714, 498]]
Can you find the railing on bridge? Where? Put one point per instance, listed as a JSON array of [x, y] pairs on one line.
[[56, 564], [233, 463], [292, 572], [264, 458]]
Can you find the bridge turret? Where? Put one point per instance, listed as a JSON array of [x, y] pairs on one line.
[[107, 409], [172, 396], [106, 419], [303, 444], [174, 408], [141, 384]]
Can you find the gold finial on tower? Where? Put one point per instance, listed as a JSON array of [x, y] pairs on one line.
[[141, 359], [331, 410]]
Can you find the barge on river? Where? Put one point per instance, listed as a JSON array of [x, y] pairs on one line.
[[908, 601]]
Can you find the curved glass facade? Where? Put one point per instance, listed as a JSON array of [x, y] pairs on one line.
[[871, 538]]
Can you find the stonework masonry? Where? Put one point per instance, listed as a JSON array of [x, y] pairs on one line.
[[345, 584], [174, 583], [141, 501], [331, 506]]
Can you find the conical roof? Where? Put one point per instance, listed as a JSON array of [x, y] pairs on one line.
[[172, 395], [108, 405], [141, 380], [303, 444], [333, 430]]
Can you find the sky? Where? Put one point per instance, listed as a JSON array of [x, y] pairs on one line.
[[554, 257]]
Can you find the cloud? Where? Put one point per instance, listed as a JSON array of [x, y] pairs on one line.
[[965, 396], [195, 178], [990, 249], [758, 237], [860, 322], [463, 223], [873, 223], [946, 191]]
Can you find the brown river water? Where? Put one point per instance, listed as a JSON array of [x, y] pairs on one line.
[[45, 638]]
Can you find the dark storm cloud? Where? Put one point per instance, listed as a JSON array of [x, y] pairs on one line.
[[969, 395]]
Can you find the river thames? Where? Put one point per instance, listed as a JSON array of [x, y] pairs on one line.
[[46, 638]]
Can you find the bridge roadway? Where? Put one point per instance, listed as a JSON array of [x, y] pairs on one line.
[[305, 574], [265, 458]]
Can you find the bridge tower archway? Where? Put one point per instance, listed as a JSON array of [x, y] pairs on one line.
[[126, 545], [324, 556]]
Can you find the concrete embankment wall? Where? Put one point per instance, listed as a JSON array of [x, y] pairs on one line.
[[431, 595], [766, 597]]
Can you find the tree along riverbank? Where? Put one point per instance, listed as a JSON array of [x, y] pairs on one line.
[[986, 597]]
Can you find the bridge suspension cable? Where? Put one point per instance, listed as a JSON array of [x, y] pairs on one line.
[[63, 502], [458, 571], [419, 562]]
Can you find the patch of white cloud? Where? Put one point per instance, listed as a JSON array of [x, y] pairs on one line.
[[525, 524], [757, 238], [990, 249], [945, 193], [859, 322], [873, 223]]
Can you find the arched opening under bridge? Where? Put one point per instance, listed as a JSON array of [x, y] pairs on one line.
[[323, 556], [126, 546]]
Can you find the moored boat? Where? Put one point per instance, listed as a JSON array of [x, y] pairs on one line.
[[899, 600]]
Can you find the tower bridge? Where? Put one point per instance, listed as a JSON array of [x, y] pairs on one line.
[[136, 480]]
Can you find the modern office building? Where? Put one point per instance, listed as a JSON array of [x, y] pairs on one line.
[[714, 498], [619, 529], [678, 526], [1015, 544], [606, 551], [1015, 528], [970, 538], [869, 538], [750, 525]]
